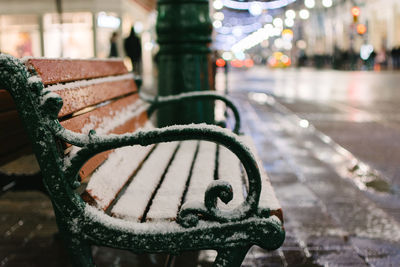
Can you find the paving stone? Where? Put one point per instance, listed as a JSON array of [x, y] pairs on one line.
[[377, 252]]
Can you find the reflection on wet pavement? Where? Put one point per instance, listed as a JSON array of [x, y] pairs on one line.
[[320, 204], [328, 193]]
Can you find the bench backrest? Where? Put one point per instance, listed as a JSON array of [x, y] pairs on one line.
[[13, 137], [84, 86], [94, 94]]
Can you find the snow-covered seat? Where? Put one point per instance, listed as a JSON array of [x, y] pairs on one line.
[[116, 180], [140, 192]]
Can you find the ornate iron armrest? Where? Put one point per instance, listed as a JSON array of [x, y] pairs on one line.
[[190, 214], [161, 101]]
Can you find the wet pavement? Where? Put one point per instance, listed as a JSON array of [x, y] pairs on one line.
[[359, 110], [341, 208]]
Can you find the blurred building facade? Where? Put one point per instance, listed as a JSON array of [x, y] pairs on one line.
[[36, 28], [76, 29], [374, 27]]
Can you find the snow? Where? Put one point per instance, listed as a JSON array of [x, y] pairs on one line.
[[203, 172], [48, 95], [133, 203], [84, 83], [267, 196], [168, 198], [229, 170], [113, 174], [34, 79], [10, 59], [26, 58], [115, 119], [158, 227], [187, 94], [107, 124], [109, 178]]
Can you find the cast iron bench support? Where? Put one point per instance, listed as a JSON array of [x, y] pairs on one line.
[[72, 144]]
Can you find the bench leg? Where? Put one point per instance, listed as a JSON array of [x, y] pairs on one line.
[[231, 257], [79, 251]]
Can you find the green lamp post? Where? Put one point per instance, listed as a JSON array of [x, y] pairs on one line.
[[184, 35]]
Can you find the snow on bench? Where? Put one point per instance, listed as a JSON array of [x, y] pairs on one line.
[[130, 191]]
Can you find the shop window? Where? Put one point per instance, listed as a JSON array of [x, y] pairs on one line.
[[19, 35], [68, 36]]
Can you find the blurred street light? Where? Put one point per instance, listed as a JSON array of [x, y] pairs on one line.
[[218, 16], [355, 11], [217, 24], [218, 4], [289, 22], [309, 3], [291, 14], [255, 8], [278, 22], [327, 3], [361, 28], [304, 14]]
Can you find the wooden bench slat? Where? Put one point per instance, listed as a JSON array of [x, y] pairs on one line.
[[13, 142], [168, 199], [6, 101], [98, 116], [133, 203], [267, 196], [92, 164], [53, 71], [111, 176], [137, 184], [229, 170], [10, 124], [128, 108], [76, 97], [203, 172], [15, 153], [130, 126]]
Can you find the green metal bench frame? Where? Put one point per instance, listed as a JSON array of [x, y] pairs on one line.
[[231, 233]]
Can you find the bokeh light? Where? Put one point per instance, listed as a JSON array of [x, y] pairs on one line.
[[309, 3], [304, 14], [327, 3]]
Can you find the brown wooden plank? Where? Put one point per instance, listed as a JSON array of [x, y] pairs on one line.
[[100, 114], [93, 163], [16, 153], [75, 99], [13, 137], [13, 143], [53, 71], [96, 161], [6, 101], [77, 123], [10, 123]]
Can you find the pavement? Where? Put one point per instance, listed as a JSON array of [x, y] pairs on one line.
[[332, 216]]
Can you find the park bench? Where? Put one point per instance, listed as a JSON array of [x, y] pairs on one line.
[[116, 180]]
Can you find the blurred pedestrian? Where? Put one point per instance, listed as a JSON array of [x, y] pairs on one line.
[[381, 60], [396, 57], [113, 45], [133, 50]]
